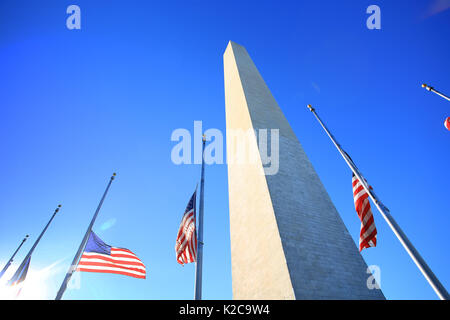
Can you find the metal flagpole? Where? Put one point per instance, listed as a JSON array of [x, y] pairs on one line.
[[435, 91], [12, 257], [198, 273], [414, 254], [74, 263], [35, 243]]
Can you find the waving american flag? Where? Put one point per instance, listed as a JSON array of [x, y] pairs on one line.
[[100, 257], [186, 243]]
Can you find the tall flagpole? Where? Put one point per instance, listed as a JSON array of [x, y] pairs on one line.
[[198, 272], [414, 254], [12, 257], [35, 243], [74, 263], [435, 91]]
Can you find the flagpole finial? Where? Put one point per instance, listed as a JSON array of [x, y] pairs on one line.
[[57, 209], [113, 176], [310, 108], [204, 137], [426, 86]]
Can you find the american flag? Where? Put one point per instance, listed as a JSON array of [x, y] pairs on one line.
[[19, 276], [100, 257], [21, 273], [368, 234], [186, 244]]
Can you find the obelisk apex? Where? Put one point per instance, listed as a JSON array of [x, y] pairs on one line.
[[287, 238]]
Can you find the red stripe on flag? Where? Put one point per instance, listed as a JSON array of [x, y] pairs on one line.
[[112, 260], [112, 265], [111, 271], [116, 255]]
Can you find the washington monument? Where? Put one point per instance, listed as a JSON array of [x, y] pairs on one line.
[[287, 239]]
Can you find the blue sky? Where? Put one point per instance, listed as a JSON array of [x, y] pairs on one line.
[[78, 105]]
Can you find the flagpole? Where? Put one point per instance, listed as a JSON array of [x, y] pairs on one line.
[[76, 259], [199, 269], [34, 245], [414, 254], [12, 257], [435, 91]]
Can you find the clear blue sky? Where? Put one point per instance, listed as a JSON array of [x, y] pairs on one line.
[[78, 105]]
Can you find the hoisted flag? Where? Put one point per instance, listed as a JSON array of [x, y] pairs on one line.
[[186, 243], [21, 273], [12, 257], [103, 258], [368, 233], [416, 257], [82, 246], [19, 277]]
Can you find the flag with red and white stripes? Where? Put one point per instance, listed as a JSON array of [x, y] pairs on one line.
[[368, 233], [186, 243], [103, 258]]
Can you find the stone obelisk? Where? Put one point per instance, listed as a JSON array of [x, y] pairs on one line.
[[287, 238]]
